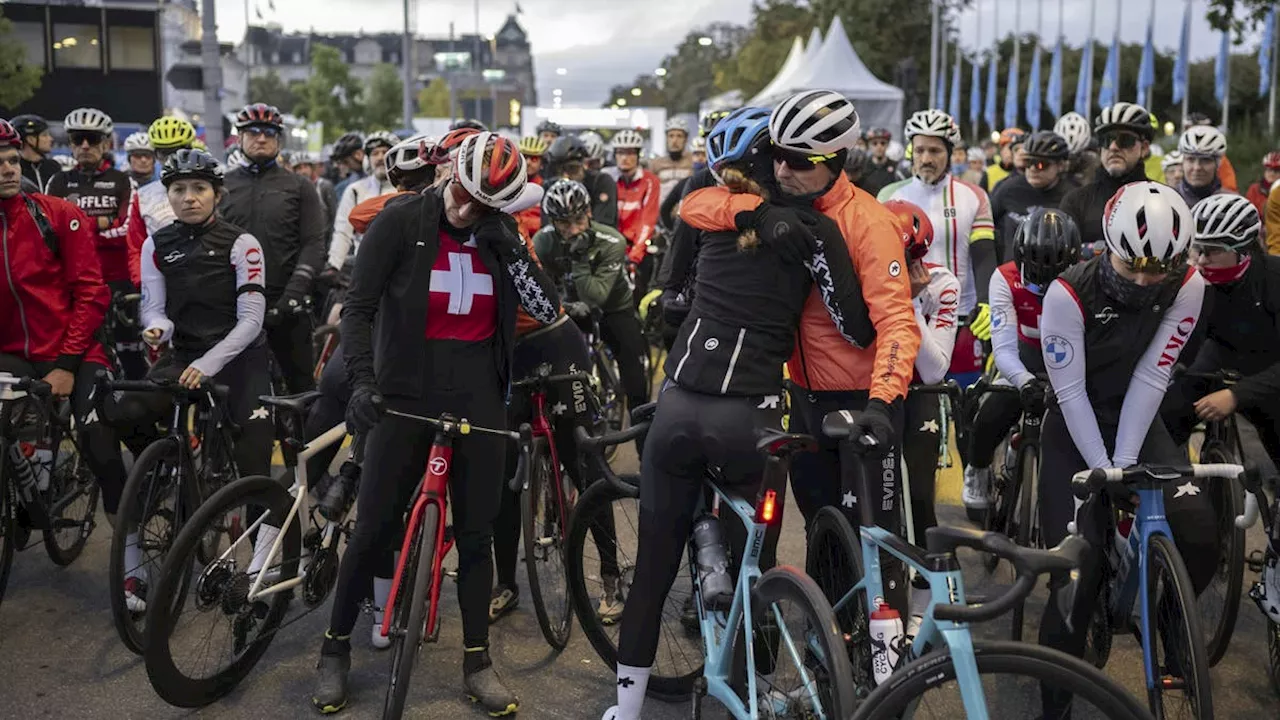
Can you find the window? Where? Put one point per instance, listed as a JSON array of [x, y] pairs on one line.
[[132, 48], [76, 46], [452, 61], [297, 58], [30, 36]]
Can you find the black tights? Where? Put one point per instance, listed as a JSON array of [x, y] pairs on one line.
[[920, 446]]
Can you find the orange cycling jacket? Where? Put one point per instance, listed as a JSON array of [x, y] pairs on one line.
[[639, 200], [823, 360]]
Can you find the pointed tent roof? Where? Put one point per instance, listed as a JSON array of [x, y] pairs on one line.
[[815, 44], [836, 66], [790, 67]]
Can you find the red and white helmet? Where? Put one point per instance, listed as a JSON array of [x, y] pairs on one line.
[[490, 168], [917, 228], [9, 137], [1148, 223]]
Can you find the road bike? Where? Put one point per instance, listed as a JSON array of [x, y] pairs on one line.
[[1265, 591]]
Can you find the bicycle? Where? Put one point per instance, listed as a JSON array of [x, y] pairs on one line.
[[123, 312], [950, 396], [749, 634], [326, 339], [43, 476], [548, 502], [169, 480], [1265, 591], [1158, 582], [244, 587], [605, 381], [1220, 602]]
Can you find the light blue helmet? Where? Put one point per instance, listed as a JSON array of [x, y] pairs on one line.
[[736, 136]]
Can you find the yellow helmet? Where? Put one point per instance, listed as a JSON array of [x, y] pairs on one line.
[[532, 145], [171, 133]]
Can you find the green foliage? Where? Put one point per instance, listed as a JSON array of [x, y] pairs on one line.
[[271, 89], [331, 95], [384, 108], [433, 100], [775, 23], [18, 80], [1239, 16]]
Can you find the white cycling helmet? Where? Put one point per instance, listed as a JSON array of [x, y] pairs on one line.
[[933, 123], [490, 168], [409, 155], [138, 142], [678, 124], [976, 155], [88, 120], [1170, 159], [895, 152], [1074, 127], [628, 140], [595, 144], [381, 137], [698, 144], [1148, 224], [1202, 141], [817, 123], [1125, 116], [1228, 221]]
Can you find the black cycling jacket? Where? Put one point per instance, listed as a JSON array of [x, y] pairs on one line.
[[40, 172], [282, 210], [1012, 201], [1244, 322], [1086, 203]]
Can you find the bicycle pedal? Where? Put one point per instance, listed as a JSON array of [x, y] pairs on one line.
[[1256, 560], [451, 572]]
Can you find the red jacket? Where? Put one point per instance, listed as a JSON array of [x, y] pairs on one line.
[[1257, 194], [51, 305], [530, 219], [638, 202], [135, 237]]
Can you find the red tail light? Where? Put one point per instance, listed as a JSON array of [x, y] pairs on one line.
[[767, 507]]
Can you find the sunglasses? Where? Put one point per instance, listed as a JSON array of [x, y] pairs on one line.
[[1122, 140], [1041, 164], [797, 161], [262, 131], [80, 138], [1154, 266]]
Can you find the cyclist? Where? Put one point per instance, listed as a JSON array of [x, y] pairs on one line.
[[37, 142], [106, 196], [1109, 354], [345, 241], [1202, 148], [282, 211], [596, 149], [202, 292], [142, 158], [56, 301], [1241, 326], [639, 195], [1258, 191], [1124, 134], [532, 148], [347, 160], [1043, 184], [1226, 171], [566, 157], [962, 214], [461, 365], [698, 151], [726, 382], [166, 135], [812, 132], [1171, 163], [976, 165], [1074, 128], [548, 132], [880, 171], [677, 164], [1046, 244], [591, 259], [1005, 161]]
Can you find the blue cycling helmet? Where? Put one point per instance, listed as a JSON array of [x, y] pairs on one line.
[[735, 137]]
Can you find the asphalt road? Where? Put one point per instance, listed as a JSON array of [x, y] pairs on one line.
[[60, 658]]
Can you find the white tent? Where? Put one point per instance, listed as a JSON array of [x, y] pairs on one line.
[[812, 48], [791, 66], [835, 66]]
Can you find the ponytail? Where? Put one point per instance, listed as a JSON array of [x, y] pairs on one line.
[[738, 183]]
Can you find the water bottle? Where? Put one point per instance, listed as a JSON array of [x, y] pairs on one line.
[[22, 472], [886, 640], [713, 563], [42, 461]]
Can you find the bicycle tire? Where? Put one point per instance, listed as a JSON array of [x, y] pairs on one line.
[[136, 510], [1000, 517], [1228, 500], [170, 683], [412, 611], [598, 498], [831, 537], [1273, 656], [894, 698], [613, 411], [8, 526], [1163, 560], [67, 480], [1028, 470], [541, 493]]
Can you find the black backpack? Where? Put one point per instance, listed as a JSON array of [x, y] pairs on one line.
[[42, 224]]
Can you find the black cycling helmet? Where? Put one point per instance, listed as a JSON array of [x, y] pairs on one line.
[[567, 148], [186, 164], [565, 198], [347, 145], [28, 125], [878, 133], [1046, 144], [1197, 118], [1047, 243], [856, 161], [709, 120], [546, 126], [469, 123]]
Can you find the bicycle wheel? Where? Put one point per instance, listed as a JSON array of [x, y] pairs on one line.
[[1028, 472], [1003, 516], [1182, 689], [544, 536], [223, 634], [152, 507], [1011, 675], [612, 405], [7, 529], [798, 648], [834, 561], [409, 618], [1273, 656], [607, 565], [72, 500], [1219, 603]]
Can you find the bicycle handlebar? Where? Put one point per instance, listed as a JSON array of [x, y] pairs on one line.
[[1086, 483], [456, 426], [1030, 564], [171, 387], [594, 446], [537, 380], [39, 388]]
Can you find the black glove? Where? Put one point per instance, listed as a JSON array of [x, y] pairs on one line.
[[1032, 395], [579, 244], [364, 409], [875, 421], [501, 234], [674, 309], [330, 277], [286, 306], [781, 228], [577, 310]]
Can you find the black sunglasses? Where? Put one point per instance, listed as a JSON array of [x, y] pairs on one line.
[[1041, 164], [1122, 140], [794, 160], [79, 138], [263, 130]]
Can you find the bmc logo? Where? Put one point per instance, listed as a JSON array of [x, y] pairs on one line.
[[1176, 342]]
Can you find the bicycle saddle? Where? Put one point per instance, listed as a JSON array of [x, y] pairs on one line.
[[781, 444], [643, 413], [298, 402]]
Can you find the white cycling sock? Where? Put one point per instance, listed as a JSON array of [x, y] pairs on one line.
[[262, 546], [632, 682], [381, 593], [133, 557]]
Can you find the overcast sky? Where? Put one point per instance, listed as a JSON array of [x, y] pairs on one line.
[[602, 43]]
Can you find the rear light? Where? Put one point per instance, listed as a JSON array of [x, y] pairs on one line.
[[767, 507]]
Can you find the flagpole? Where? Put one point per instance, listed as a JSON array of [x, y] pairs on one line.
[[977, 60], [1149, 97], [942, 68], [1271, 101], [1226, 95], [406, 57], [1093, 25], [1017, 48], [933, 52], [1186, 91]]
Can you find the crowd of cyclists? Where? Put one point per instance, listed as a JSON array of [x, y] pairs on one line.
[[773, 252]]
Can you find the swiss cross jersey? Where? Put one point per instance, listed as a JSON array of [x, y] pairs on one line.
[[104, 193], [1015, 326], [463, 305], [1108, 362], [961, 214], [639, 200]]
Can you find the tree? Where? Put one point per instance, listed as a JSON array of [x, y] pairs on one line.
[[385, 104], [330, 95], [18, 80], [433, 100], [690, 78], [651, 93], [1239, 16], [271, 89], [774, 25]]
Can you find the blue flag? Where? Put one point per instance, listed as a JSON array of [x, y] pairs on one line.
[[989, 109], [1011, 96], [1264, 53], [975, 94], [940, 96], [1033, 90], [1110, 75], [1147, 68], [1180, 73], [1053, 93], [1083, 101], [953, 107], [1220, 69]]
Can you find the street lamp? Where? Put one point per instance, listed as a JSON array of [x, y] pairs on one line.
[[622, 102], [562, 71], [705, 41], [660, 72], [635, 92], [557, 92]]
